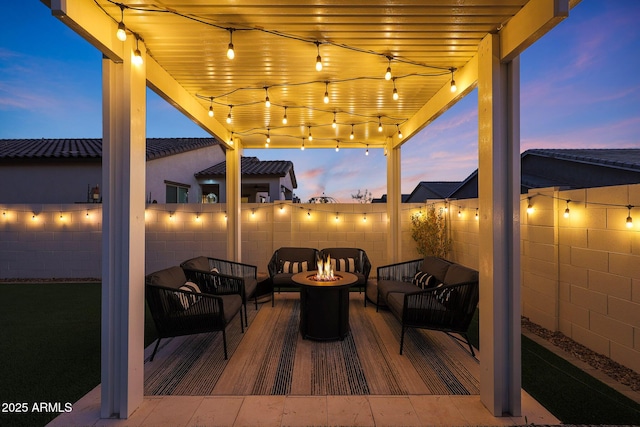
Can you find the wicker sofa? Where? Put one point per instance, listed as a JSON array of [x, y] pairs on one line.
[[362, 266], [287, 261], [430, 293], [180, 307]]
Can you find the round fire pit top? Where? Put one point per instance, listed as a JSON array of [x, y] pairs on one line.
[[307, 278]]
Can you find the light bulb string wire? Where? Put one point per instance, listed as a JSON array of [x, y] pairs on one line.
[[227, 28], [579, 202]]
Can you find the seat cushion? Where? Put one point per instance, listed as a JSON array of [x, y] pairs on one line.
[[283, 279], [172, 277], [232, 304], [250, 285], [199, 263], [387, 286], [437, 267], [395, 302]]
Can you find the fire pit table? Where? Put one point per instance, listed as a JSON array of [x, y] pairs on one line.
[[324, 305]]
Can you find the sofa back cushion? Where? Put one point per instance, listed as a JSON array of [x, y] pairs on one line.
[[460, 274], [297, 255], [436, 267], [344, 257], [198, 263], [172, 277]]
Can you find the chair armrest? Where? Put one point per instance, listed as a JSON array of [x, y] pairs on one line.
[[399, 270], [273, 265], [366, 265], [232, 268], [430, 306], [216, 283]]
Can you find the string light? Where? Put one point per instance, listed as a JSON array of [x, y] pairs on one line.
[[310, 136], [366, 153], [379, 124], [387, 75], [352, 135], [229, 115], [267, 103], [334, 124], [529, 206], [629, 219], [302, 146], [395, 91], [477, 214], [453, 82], [337, 146], [137, 56], [121, 34], [326, 92], [318, 58], [284, 118], [364, 217], [309, 213], [198, 217], [230, 52], [231, 139], [211, 108], [459, 213], [400, 136], [566, 211], [337, 217], [268, 138], [253, 212]]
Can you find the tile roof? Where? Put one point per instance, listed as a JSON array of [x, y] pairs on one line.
[[623, 158], [254, 166], [432, 190], [91, 148]]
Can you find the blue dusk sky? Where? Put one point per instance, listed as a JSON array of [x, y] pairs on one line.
[[579, 89]]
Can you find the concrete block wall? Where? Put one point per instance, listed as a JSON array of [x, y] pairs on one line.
[[581, 274]]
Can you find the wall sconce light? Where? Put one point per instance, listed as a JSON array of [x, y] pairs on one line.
[[364, 217], [477, 214], [198, 217], [566, 211], [529, 206]]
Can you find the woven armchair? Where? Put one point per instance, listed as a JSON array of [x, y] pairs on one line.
[[363, 265], [178, 312], [402, 271], [430, 309], [223, 277]]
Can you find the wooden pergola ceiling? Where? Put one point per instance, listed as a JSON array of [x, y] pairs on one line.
[[276, 45]]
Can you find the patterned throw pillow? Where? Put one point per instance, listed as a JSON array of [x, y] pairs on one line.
[[294, 267], [446, 297], [344, 264], [216, 279], [186, 300], [422, 280]]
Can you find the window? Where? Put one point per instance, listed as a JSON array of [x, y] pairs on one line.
[[177, 193]]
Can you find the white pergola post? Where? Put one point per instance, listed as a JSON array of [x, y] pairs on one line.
[[234, 211], [499, 249], [394, 200], [123, 235]]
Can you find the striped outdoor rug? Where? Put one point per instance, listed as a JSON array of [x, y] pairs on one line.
[[271, 358]]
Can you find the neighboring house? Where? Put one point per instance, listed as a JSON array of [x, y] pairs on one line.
[[70, 171], [543, 168], [262, 181]]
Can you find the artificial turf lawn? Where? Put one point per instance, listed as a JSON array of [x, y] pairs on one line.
[[50, 352]]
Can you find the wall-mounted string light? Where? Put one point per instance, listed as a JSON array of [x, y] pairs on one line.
[[337, 146], [366, 153], [529, 206], [566, 211], [477, 214], [318, 58], [266, 144], [121, 34], [310, 136], [267, 102], [334, 124], [284, 118], [302, 146], [379, 123], [230, 52], [629, 219]]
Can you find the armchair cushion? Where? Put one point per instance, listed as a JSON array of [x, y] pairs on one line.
[[437, 267], [200, 263], [172, 277], [386, 287]]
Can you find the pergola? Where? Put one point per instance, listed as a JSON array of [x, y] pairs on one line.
[[427, 45]]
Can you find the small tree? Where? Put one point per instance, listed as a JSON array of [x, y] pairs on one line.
[[362, 197], [430, 233]]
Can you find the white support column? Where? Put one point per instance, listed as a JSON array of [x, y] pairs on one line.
[[499, 209], [234, 211], [123, 235], [394, 200]]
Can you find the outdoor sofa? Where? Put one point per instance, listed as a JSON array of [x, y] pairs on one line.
[[430, 293], [182, 307]]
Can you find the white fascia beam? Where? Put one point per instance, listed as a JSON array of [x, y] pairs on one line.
[[533, 21], [466, 80], [91, 23], [171, 91]]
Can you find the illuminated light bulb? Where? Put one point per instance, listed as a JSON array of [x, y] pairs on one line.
[[281, 208], [366, 153], [310, 136], [364, 218], [229, 115], [230, 52], [309, 213], [529, 206], [476, 214], [318, 58], [629, 219], [284, 118], [226, 216], [395, 94], [337, 216], [253, 212], [337, 146], [211, 111], [566, 211], [399, 132], [267, 102], [334, 124], [459, 213], [326, 92], [121, 34], [137, 57], [171, 216], [387, 75], [302, 146], [87, 214], [379, 125], [197, 217], [352, 135]]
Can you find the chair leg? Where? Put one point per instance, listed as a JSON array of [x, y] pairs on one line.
[[246, 321], [224, 341], [466, 337], [241, 325], [402, 339], [154, 350]]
